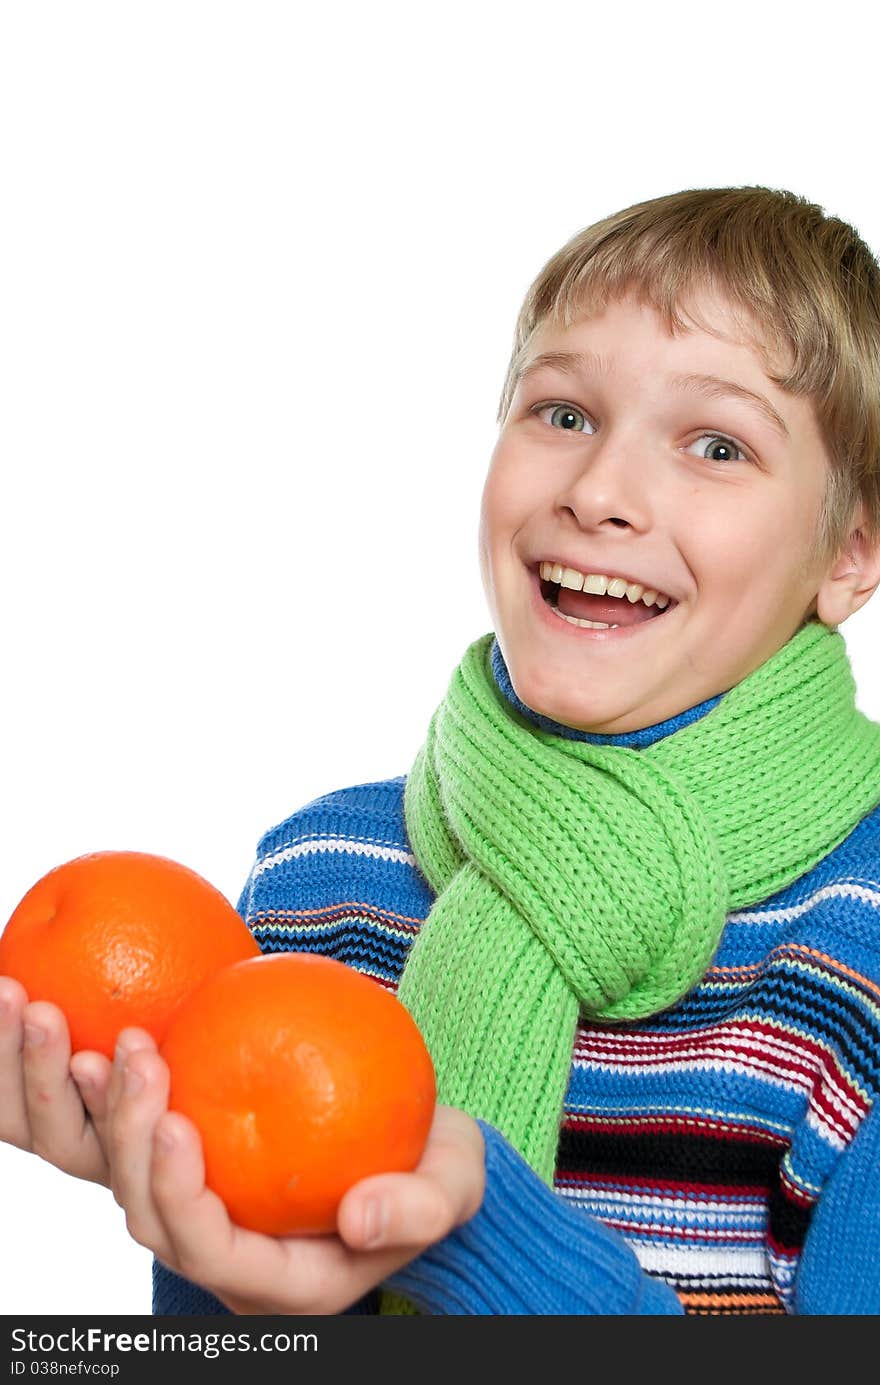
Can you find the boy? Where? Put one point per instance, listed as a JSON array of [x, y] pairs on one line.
[[629, 887]]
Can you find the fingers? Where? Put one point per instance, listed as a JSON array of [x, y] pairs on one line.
[[40, 1103], [160, 1183], [158, 1172], [92, 1072], [416, 1209], [59, 1126], [137, 1096], [14, 1125], [187, 1225], [129, 1042], [200, 1235]]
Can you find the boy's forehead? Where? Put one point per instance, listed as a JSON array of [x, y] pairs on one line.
[[708, 315]]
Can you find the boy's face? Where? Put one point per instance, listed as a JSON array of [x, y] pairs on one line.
[[613, 467]]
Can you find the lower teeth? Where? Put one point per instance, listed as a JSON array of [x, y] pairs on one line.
[[585, 624]]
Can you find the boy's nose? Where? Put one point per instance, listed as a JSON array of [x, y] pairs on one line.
[[610, 486]]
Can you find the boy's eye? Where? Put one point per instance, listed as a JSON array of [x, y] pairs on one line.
[[563, 416], [722, 448]]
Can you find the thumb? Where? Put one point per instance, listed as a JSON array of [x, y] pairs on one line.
[[416, 1209]]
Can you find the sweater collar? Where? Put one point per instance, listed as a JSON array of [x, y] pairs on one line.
[[634, 740]]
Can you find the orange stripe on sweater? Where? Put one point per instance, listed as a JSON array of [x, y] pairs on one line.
[[797, 949], [731, 1303]]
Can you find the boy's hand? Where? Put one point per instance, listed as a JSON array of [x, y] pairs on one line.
[[50, 1104], [158, 1177]]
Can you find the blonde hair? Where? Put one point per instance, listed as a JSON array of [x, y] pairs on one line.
[[807, 281]]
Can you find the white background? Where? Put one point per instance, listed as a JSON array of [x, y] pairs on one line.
[[259, 275]]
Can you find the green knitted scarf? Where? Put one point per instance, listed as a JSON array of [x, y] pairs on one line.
[[571, 876]]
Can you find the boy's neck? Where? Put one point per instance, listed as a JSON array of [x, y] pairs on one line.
[[633, 739]]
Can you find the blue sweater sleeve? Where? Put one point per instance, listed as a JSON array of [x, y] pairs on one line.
[[174, 1296], [527, 1251], [839, 1271]]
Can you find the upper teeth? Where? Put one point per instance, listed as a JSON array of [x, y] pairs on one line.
[[599, 584]]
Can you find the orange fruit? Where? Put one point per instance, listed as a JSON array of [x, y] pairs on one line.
[[302, 1076], [117, 938]]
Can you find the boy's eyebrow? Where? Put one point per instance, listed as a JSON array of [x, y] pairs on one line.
[[711, 386]]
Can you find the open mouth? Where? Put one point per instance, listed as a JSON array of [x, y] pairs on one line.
[[598, 612]]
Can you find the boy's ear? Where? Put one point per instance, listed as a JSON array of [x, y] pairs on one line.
[[852, 578]]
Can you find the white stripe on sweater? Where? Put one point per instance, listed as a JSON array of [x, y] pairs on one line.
[[747, 1265], [347, 846], [842, 889], [740, 1213]]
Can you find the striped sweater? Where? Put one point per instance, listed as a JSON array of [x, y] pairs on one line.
[[721, 1157]]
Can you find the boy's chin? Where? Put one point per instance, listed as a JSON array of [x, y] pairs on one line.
[[605, 716]]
